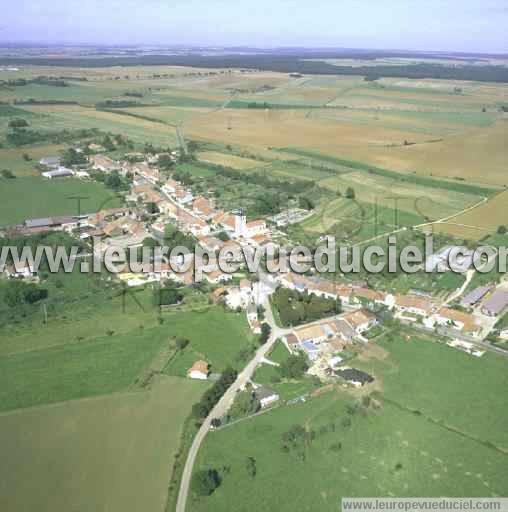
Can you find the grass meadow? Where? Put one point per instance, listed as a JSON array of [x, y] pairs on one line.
[[438, 430], [34, 196]]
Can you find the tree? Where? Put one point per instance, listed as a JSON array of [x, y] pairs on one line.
[[294, 367], [108, 143], [18, 292], [265, 333], [305, 203], [181, 343], [152, 208], [206, 481], [113, 181], [26, 157], [223, 236], [7, 174], [18, 123], [350, 193], [250, 466], [72, 157], [501, 230], [169, 296]]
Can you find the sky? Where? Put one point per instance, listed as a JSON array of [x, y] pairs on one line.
[[432, 25]]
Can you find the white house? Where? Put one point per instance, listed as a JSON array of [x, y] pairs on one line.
[[199, 370], [454, 319], [360, 320]]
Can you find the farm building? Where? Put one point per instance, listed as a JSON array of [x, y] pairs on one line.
[[60, 172], [472, 298], [51, 162], [64, 223], [354, 376]]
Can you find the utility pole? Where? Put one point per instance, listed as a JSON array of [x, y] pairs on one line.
[[79, 199]]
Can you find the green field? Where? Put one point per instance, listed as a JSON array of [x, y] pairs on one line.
[[387, 450], [112, 453], [215, 336], [30, 197]]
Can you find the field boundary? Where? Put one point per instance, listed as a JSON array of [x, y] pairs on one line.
[[416, 179]]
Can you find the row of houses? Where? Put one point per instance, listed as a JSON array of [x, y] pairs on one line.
[[408, 307]]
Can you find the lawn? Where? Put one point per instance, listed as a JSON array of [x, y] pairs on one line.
[[29, 197], [108, 453]]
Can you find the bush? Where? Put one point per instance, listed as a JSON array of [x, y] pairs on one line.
[[213, 394], [350, 193], [265, 333], [205, 482], [18, 292], [18, 123]]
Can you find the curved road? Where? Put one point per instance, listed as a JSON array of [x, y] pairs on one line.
[[223, 405]]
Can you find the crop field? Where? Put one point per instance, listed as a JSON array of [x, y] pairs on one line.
[[29, 197], [233, 161], [60, 117], [479, 222], [103, 454], [168, 114], [386, 450]]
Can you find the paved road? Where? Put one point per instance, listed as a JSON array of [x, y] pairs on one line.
[[222, 407]]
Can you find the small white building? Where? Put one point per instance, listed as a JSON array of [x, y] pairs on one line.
[[199, 370], [266, 396]]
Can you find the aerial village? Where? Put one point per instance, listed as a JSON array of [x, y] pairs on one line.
[[154, 201]]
